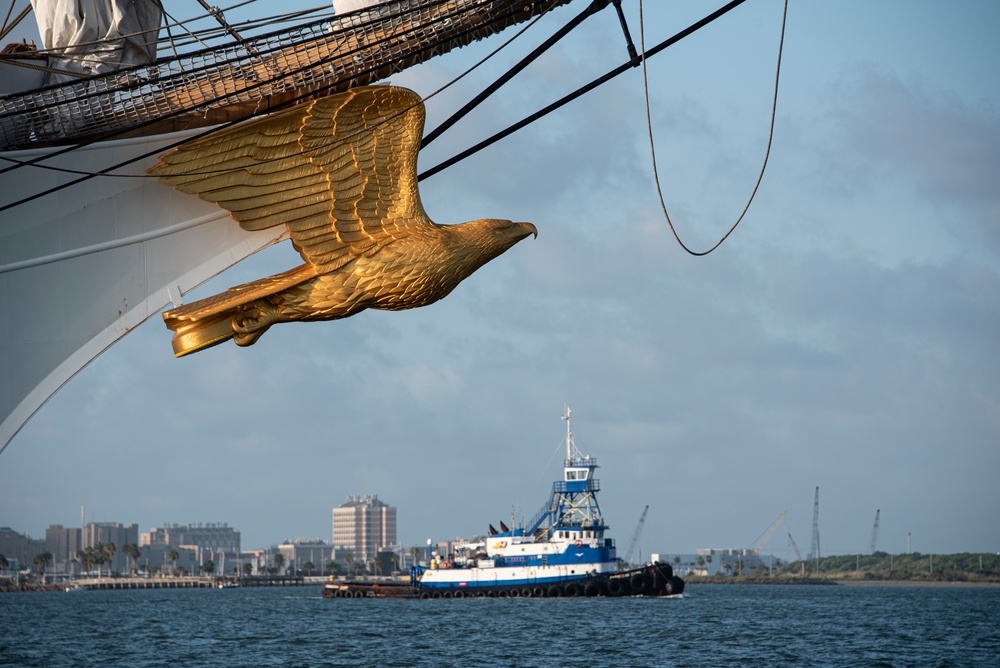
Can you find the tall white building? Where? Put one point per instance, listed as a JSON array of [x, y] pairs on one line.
[[364, 525]]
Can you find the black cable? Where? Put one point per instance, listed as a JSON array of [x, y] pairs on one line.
[[595, 6], [767, 153], [578, 92]]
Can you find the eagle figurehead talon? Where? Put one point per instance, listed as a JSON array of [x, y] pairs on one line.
[[252, 320]]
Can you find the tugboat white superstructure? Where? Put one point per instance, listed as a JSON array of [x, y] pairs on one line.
[[562, 551]]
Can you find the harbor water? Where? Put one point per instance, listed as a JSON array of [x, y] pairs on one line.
[[711, 625]]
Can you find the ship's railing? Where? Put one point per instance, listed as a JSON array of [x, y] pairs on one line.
[[581, 462], [546, 510], [576, 486]]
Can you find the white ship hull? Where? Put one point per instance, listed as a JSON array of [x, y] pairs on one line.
[[83, 266], [513, 577]]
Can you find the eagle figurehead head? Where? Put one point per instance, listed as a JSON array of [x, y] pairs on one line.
[[479, 241], [488, 238]]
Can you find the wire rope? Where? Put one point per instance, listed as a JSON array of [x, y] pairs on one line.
[[652, 144]]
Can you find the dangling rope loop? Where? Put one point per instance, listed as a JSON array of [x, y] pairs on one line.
[[652, 146]]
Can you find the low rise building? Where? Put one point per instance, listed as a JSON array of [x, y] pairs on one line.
[[306, 554], [712, 561]]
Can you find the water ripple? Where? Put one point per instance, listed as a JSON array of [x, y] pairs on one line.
[[709, 626]]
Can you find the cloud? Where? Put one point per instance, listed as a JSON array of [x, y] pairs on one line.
[[947, 149]]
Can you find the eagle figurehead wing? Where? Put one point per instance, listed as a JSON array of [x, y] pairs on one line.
[[339, 172]]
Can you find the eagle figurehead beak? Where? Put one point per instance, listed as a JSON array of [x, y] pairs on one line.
[[524, 229]]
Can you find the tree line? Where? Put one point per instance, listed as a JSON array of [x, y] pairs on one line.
[[964, 567]]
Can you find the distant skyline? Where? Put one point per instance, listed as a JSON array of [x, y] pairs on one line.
[[778, 536], [845, 335]]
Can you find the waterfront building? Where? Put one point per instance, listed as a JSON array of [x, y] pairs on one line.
[[302, 551], [19, 549], [364, 525], [156, 559], [203, 541], [213, 540], [713, 561], [63, 543], [111, 533]]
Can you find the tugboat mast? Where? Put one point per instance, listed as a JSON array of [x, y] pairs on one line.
[[569, 434]]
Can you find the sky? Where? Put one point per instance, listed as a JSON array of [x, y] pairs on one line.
[[846, 336]]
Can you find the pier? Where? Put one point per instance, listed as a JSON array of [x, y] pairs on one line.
[[192, 582]]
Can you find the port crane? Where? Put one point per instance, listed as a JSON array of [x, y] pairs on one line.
[[874, 542], [798, 555], [634, 540], [767, 534]]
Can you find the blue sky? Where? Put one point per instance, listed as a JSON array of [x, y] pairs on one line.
[[845, 336]]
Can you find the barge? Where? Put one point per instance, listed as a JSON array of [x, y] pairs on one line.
[[562, 552]]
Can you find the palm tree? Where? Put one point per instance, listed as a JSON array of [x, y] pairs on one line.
[[41, 561], [3, 563], [131, 550], [279, 561], [109, 551], [308, 567], [97, 556], [84, 559], [172, 556], [247, 569]]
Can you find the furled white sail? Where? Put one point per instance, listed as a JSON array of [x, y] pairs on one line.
[[81, 267], [95, 36]]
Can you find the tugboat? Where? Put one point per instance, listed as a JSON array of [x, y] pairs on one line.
[[563, 551]]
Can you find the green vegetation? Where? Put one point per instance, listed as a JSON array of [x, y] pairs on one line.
[[42, 562], [963, 567]]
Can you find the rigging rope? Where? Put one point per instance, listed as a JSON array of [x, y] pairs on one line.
[[13, 24], [652, 146], [263, 83], [109, 171]]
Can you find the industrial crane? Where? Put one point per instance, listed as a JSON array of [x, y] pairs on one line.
[[798, 555], [795, 547], [874, 545], [767, 534], [634, 540]]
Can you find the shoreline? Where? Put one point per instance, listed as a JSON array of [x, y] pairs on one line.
[[917, 583], [846, 582]]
